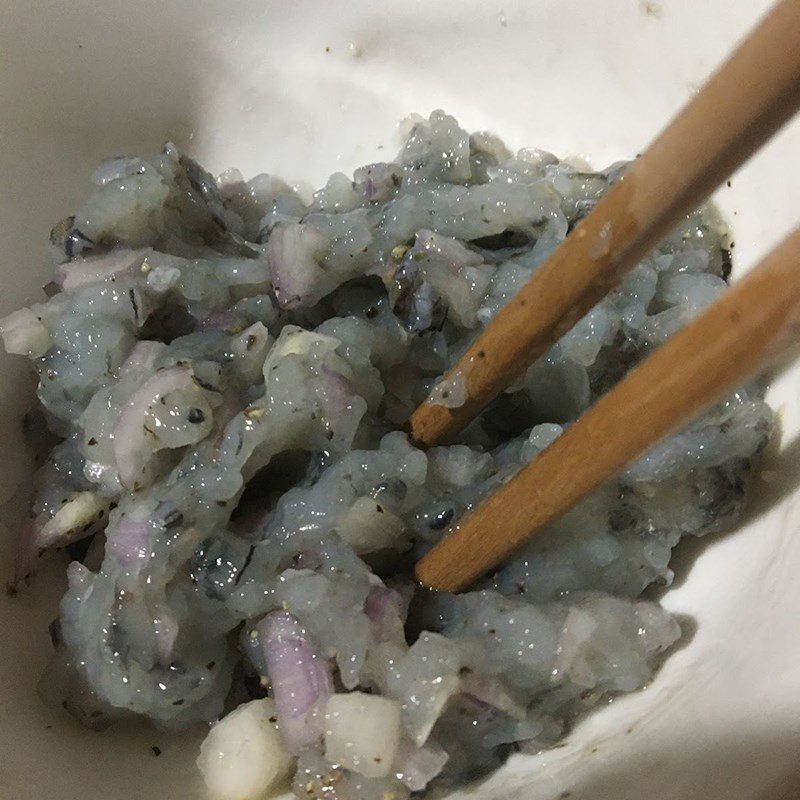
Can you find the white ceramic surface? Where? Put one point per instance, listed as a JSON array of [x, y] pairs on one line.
[[307, 87]]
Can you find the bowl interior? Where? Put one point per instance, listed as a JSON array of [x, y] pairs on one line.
[[308, 88]]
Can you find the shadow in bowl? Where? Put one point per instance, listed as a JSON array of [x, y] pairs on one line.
[[777, 477], [732, 766]]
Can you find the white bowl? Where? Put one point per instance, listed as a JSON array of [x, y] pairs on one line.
[[304, 89]]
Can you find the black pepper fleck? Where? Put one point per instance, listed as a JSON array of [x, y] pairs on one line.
[[172, 519], [132, 295], [441, 520], [727, 264], [196, 416]]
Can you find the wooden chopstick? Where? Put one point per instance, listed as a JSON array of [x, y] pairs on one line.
[[741, 106], [751, 324]]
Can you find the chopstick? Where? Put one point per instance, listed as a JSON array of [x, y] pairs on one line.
[[740, 107], [750, 325]]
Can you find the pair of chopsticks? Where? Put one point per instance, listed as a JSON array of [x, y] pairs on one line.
[[743, 104]]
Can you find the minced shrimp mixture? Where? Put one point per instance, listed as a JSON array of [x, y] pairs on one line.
[[228, 366]]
